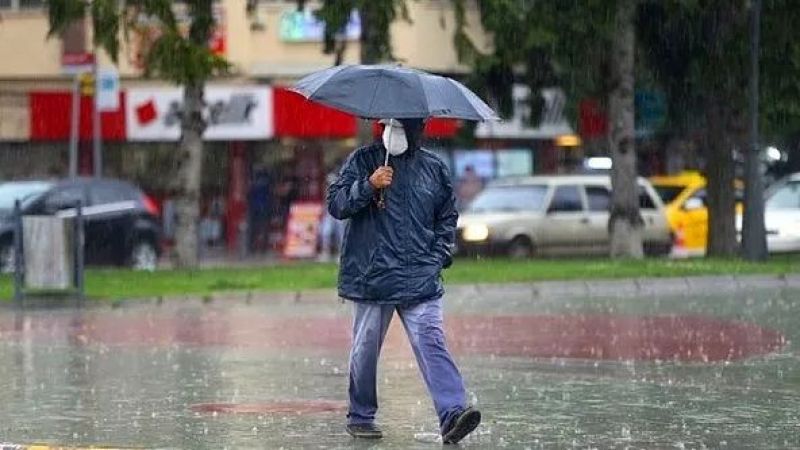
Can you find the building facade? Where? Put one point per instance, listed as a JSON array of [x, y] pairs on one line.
[[257, 127]]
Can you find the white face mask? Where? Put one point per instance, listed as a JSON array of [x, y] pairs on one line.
[[394, 138]]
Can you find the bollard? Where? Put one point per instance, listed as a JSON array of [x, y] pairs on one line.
[[18, 263], [79, 251]]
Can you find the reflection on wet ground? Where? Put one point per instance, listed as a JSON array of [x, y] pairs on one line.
[[664, 372]]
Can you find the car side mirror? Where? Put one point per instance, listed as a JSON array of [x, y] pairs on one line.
[[693, 204]]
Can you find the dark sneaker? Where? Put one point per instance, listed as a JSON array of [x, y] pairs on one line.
[[464, 424], [364, 431]]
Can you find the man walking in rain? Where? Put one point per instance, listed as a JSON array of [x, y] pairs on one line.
[[400, 204]]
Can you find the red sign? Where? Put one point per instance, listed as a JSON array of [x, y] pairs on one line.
[[435, 127], [51, 112], [593, 120], [77, 59], [297, 117]]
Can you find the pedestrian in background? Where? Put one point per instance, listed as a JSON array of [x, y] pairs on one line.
[[331, 229]]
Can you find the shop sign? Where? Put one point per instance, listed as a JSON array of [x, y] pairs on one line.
[[107, 89], [553, 120], [232, 113]]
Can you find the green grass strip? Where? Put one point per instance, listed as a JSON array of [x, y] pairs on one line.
[[120, 284]]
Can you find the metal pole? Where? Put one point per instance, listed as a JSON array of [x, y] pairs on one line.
[[73, 130], [79, 246], [754, 239], [18, 254], [97, 142]]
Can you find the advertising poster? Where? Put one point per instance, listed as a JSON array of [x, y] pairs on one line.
[[302, 230], [482, 161]]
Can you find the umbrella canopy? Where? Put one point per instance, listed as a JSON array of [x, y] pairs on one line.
[[388, 91]]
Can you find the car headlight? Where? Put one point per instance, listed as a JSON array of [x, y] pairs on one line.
[[476, 232]]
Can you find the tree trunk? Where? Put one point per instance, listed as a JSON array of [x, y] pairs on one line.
[[372, 52], [372, 45], [625, 221], [720, 173], [190, 150]]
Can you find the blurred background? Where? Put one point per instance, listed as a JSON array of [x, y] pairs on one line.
[[547, 67]]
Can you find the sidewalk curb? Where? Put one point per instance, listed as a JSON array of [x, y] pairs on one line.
[[602, 288], [624, 288]]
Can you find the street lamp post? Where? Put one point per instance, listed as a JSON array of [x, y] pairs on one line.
[[754, 241]]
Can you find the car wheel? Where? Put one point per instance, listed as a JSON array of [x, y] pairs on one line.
[[520, 248], [144, 256], [7, 258]]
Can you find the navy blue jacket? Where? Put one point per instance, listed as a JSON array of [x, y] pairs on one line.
[[394, 255]]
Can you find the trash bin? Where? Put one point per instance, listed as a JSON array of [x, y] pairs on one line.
[[49, 252]]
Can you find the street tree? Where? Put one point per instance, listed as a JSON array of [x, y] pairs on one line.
[[376, 17], [588, 49], [375, 41], [697, 54], [177, 55]]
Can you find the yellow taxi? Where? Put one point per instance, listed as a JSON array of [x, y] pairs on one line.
[[684, 197]]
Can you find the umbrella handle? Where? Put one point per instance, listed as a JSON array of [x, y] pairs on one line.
[[382, 192], [382, 195]]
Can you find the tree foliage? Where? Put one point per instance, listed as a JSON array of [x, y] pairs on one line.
[[177, 55], [539, 43], [376, 19]]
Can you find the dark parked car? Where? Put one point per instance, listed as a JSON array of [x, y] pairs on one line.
[[121, 223]]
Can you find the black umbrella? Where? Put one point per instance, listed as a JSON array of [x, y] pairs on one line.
[[393, 92]]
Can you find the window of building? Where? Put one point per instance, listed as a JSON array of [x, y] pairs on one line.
[[31, 4], [16, 5]]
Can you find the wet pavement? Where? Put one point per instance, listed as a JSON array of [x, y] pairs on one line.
[[683, 370]]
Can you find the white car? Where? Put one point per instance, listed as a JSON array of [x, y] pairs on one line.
[[554, 215], [782, 215]]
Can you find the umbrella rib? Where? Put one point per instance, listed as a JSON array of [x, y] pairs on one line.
[[424, 93]]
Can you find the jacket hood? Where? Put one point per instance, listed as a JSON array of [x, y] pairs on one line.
[[414, 129]]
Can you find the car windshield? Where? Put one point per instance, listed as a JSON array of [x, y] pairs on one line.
[[509, 199], [22, 191], [786, 197], [668, 193]]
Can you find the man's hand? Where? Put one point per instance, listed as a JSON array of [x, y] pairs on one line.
[[382, 178]]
